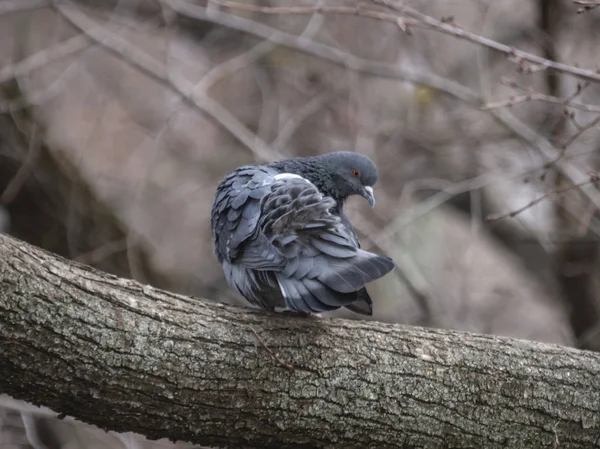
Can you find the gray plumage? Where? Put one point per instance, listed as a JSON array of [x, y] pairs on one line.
[[281, 236]]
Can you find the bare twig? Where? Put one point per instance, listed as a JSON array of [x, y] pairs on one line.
[[578, 91], [586, 5], [416, 17], [132, 55], [11, 6], [301, 10], [592, 180], [102, 252], [247, 58], [16, 183], [40, 59], [509, 102], [37, 97], [535, 96], [232, 65], [581, 130], [413, 280], [452, 29], [572, 173], [325, 52], [584, 223], [154, 68], [271, 353], [566, 102], [431, 203], [556, 440], [351, 62], [532, 95], [292, 125]]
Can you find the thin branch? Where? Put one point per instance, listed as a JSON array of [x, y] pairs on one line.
[[351, 62], [44, 57], [382, 239], [325, 52], [534, 96], [232, 65], [585, 220], [566, 102], [102, 252], [509, 102], [183, 87], [578, 91], [581, 130], [270, 351], [155, 69], [465, 94], [130, 54], [413, 281], [37, 97], [586, 5], [246, 59], [301, 10], [12, 6], [453, 29], [571, 172], [417, 17], [16, 183], [593, 180], [303, 113]]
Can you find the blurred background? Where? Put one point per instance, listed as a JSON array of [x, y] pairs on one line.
[[118, 119]]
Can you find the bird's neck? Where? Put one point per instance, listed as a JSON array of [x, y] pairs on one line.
[[313, 171]]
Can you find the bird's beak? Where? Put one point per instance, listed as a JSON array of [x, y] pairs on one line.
[[367, 194]]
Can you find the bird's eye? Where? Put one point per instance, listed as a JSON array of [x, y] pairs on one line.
[[355, 173]]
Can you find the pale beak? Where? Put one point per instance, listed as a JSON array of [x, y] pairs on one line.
[[367, 194]]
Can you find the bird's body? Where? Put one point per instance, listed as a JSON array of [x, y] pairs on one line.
[[282, 238]]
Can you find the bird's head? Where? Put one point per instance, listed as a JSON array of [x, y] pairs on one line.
[[352, 174]]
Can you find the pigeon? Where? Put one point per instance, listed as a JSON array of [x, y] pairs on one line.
[[281, 236]]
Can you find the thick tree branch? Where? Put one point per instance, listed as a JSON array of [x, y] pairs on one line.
[[127, 357]]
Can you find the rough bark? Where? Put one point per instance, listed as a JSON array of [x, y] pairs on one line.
[[124, 356]]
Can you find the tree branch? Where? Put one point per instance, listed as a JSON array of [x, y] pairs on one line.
[[536, 96], [336, 56], [324, 52], [128, 357], [8, 6], [453, 29], [412, 17]]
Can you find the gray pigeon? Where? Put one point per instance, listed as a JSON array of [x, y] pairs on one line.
[[281, 236]]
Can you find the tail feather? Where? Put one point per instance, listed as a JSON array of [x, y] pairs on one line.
[[363, 304], [335, 284], [299, 297], [350, 275]]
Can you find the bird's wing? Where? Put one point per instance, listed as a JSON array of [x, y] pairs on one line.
[[322, 267], [240, 246], [267, 224], [237, 211]]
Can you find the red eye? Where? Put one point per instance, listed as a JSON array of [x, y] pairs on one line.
[[355, 173]]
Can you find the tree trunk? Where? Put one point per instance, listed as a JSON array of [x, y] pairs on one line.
[[128, 357]]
